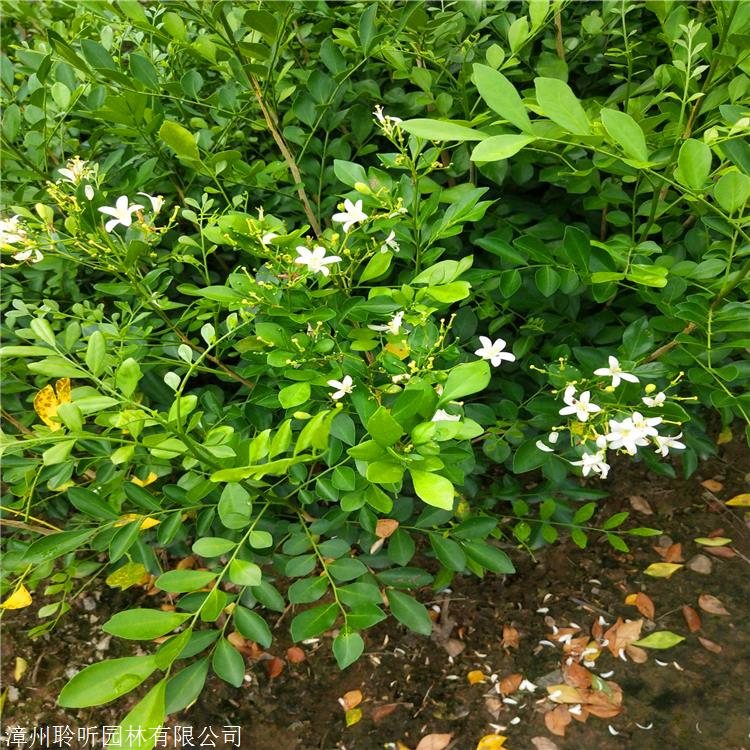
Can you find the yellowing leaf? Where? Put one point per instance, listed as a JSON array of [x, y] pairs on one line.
[[662, 570], [491, 742], [21, 666], [661, 639], [713, 541], [399, 349], [475, 676], [564, 694], [146, 523], [47, 401], [740, 501], [126, 576], [19, 599], [144, 482], [725, 436], [352, 716]]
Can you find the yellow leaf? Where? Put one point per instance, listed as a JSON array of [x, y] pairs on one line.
[[19, 599], [491, 742], [152, 477], [21, 666], [713, 541], [475, 676], [400, 349], [62, 387], [47, 401], [725, 436], [630, 598], [740, 501], [146, 523], [352, 716], [126, 576], [564, 694], [662, 570]]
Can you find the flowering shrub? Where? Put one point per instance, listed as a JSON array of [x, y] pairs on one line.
[[272, 345]]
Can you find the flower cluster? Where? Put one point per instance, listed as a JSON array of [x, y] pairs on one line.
[[122, 212], [388, 124], [77, 171], [13, 232]]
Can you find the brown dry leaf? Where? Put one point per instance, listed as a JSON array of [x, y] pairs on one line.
[[622, 634], [700, 564], [295, 655], [435, 742], [641, 505], [385, 527], [380, 713], [351, 699], [453, 646], [671, 554], [274, 667], [557, 719], [712, 485], [475, 676], [710, 645], [510, 683], [543, 743], [185, 563], [511, 637], [709, 603], [692, 618], [577, 676], [637, 654], [239, 642], [493, 706], [721, 551], [565, 694], [643, 602]]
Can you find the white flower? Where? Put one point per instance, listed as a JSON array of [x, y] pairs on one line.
[[342, 387], [351, 215], [88, 191], [581, 407], [75, 170], [494, 351], [664, 443], [553, 437], [33, 255], [544, 448], [657, 400], [593, 462], [316, 260], [384, 119], [631, 432], [122, 212], [442, 416], [389, 243], [394, 327], [527, 685], [157, 201], [11, 231], [267, 237], [615, 372]]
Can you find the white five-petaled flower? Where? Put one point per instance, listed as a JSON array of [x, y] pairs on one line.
[[632, 432], [442, 416], [157, 201], [383, 118], [657, 400], [581, 407], [393, 327], [11, 231], [343, 386], [31, 255], [664, 443], [74, 171], [615, 372], [122, 212], [316, 259], [389, 243], [593, 462], [351, 215], [493, 351]]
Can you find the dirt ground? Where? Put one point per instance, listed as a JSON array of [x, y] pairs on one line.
[[690, 696]]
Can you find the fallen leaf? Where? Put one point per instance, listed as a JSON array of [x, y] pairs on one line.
[[21, 666], [622, 634], [19, 599], [712, 485], [643, 602], [671, 553], [380, 713], [700, 564], [721, 551], [638, 655], [400, 746], [577, 676], [510, 683], [238, 641], [740, 501], [453, 646], [709, 645], [709, 603], [641, 505], [557, 719], [434, 742], [295, 655], [491, 742], [662, 570], [692, 618], [274, 667], [475, 676], [725, 436], [543, 743], [385, 527], [351, 699], [715, 541], [493, 705], [564, 694], [352, 716], [661, 639], [511, 637], [186, 563]]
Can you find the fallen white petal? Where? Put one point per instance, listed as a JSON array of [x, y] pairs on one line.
[[612, 730]]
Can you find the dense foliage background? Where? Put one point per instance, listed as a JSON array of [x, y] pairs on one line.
[[572, 177]]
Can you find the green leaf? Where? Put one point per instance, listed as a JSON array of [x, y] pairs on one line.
[[500, 147], [96, 55], [244, 573], [347, 648], [307, 590], [450, 553], [183, 581], [252, 626], [501, 96], [528, 457], [228, 663], [409, 612], [376, 266], [137, 728], [558, 102], [547, 280], [693, 164], [661, 639], [95, 352], [441, 130], [294, 395], [90, 504], [56, 545], [314, 621], [212, 546], [128, 376], [732, 191], [465, 379], [433, 489], [105, 681], [179, 139], [383, 428], [184, 688], [235, 506], [143, 624], [626, 133], [614, 521], [489, 557]]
